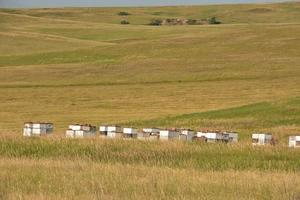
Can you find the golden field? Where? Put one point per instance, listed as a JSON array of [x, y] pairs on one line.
[[80, 65]]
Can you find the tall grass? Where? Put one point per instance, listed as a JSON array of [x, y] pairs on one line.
[[81, 179], [48, 168], [168, 154]]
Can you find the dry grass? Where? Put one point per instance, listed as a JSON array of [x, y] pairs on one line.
[[79, 65], [112, 169], [52, 179], [200, 156]]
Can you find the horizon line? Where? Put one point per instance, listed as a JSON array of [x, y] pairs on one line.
[[151, 6]]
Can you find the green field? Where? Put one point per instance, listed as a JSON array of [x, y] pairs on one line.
[[80, 65]]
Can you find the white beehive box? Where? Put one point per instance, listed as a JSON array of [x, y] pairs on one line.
[[28, 125], [201, 134], [261, 139], [40, 125], [103, 128], [83, 134], [111, 134], [86, 128], [233, 137], [151, 130], [116, 129], [143, 135], [187, 135], [27, 132], [39, 131], [70, 133], [213, 137], [149, 134], [81, 131], [294, 141], [130, 131], [79, 134], [75, 127], [230, 137], [168, 134]]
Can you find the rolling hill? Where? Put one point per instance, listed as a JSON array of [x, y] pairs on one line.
[[80, 65]]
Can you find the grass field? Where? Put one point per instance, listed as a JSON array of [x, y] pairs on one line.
[[79, 65], [108, 169]]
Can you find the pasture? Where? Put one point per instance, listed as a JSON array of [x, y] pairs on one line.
[[80, 65]]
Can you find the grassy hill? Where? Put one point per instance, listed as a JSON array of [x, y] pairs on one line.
[[281, 118], [66, 70], [80, 65]]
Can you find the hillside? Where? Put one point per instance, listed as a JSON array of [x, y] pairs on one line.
[[280, 118], [65, 70], [80, 65]]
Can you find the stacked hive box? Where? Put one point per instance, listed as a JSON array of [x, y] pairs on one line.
[[230, 137], [114, 131], [212, 137], [37, 129], [171, 134], [130, 132], [261, 139], [201, 136], [186, 135], [103, 130], [81, 131], [149, 134], [294, 141]]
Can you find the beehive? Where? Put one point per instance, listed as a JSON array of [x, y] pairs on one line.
[[261, 139], [37, 129]]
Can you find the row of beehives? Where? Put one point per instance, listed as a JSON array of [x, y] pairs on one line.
[[79, 131], [82, 131]]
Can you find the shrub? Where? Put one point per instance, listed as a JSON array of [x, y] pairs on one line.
[[155, 22], [192, 22], [122, 13], [213, 20], [124, 21]]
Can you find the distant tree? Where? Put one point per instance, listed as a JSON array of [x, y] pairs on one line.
[[155, 22], [124, 21], [213, 20], [123, 13]]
